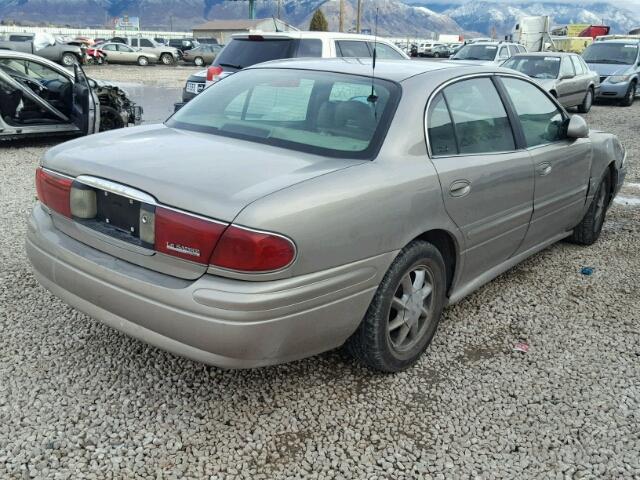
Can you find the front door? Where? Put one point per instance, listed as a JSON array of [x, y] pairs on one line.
[[562, 165], [84, 113], [487, 183]]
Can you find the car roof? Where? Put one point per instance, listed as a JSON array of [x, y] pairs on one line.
[[307, 34], [394, 70], [618, 40], [546, 54]]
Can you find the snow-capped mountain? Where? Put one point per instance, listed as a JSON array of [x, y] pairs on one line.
[[394, 16], [484, 15]]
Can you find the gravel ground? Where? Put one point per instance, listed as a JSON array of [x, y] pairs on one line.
[[78, 399], [156, 75]]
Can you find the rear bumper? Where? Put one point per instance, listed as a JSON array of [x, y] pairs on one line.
[[214, 320]]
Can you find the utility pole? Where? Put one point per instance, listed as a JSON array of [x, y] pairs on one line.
[[341, 17], [279, 6], [358, 16], [252, 9]]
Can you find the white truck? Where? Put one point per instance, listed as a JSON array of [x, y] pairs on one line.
[[534, 33]]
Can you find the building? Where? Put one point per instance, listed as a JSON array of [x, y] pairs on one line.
[[222, 30]]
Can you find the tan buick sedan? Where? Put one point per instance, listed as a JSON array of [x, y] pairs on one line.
[[300, 205]]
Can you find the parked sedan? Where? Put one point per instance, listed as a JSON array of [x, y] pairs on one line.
[[121, 53], [314, 206], [203, 54], [564, 75], [439, 51]]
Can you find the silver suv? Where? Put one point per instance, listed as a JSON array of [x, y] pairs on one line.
[[488, 53], [167, 55]]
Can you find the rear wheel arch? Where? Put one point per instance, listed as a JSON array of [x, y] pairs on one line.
[[447, 245]]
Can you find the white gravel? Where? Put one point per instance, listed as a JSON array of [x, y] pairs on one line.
[[79, 400]]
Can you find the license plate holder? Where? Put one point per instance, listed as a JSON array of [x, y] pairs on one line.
[[118, 212]]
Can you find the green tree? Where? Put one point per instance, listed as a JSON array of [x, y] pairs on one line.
[[319, 22]]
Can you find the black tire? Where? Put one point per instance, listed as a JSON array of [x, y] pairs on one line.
[[198, 61], [68, 59], [143, 61], [588, 230], [630, 96], [587, 103], [110, 119], [373, 342], [167, 59]]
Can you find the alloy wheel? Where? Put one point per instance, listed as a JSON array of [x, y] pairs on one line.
[[411, 310]]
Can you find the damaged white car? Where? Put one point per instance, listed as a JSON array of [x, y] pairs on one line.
[[39, 97]]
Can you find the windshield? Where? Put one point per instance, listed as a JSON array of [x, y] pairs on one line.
[[241, 52], [476, 52], [317, 112], [535, 67], [614, 53]]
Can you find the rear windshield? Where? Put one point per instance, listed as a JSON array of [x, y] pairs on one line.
[[613, 53], [317, 112], [535, 66], [241, 52], [476, 52]]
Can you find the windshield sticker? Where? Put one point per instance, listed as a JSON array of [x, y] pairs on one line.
[[630, 46], [552, 59], [491, 48]]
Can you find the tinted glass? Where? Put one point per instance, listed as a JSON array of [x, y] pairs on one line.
[[542, 122], [317, 112], [134, 42], [241, 53], [566, 68], [350, 48], [476, 52], [385, 52], [309, 47], [503, 53], [611, 53], [535, 66], [441, 136], [481, 122], [146, 43]]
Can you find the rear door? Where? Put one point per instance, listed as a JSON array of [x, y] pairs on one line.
[[562, 165], [84, 114], [567, 83], [486, 180]]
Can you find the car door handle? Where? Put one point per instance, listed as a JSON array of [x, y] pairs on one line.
[[460, 188], [544, 169]]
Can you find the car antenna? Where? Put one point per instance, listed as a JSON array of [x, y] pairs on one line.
[[373, 97]]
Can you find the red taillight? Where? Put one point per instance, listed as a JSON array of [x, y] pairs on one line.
[[251, 251], [53, 191], [186, 236], [212, 73]]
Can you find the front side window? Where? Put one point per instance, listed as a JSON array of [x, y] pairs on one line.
[[316, 112], [146, 43], [577, 65], [385, 52], [542, 122], [566, 68], [309, 47], [504, 53], [351, 48], [442, 138], [480, 120]]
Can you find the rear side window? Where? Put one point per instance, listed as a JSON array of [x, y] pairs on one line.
[[503, 53], [309, 47], [241, 53], [134, 42], [146, 43], [385, 52], [542, 122], [440, 128], [351, 48], [480, 120]]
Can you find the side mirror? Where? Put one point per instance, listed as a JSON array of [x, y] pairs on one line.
[[577, 128]]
